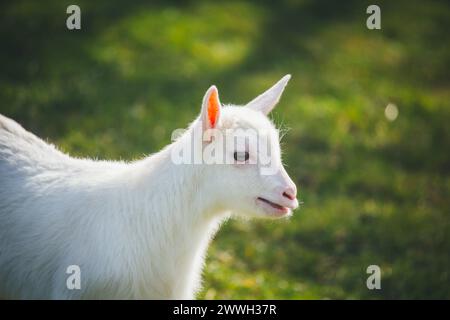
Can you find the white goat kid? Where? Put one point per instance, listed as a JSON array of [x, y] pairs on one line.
[[136, 230]]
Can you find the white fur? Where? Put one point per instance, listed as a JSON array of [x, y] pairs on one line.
[[137, 230]]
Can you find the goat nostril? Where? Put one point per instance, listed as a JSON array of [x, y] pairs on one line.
[[288, 195]]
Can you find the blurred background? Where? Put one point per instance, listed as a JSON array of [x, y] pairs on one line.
[[367, 112]]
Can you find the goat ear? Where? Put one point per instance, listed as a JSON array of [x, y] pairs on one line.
[[211, 108], [266, 101]]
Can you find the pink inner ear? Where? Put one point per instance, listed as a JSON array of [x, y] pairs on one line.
[[213, 108]]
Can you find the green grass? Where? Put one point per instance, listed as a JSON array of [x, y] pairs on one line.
[[374, 191]]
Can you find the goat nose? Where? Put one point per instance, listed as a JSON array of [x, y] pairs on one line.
[[290, 193]]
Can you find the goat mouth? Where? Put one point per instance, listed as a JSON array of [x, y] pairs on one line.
[[279, 209]]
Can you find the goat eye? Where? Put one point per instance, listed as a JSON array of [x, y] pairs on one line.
[[241, 156]]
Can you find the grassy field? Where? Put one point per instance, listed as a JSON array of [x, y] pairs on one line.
[[375, 191]]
